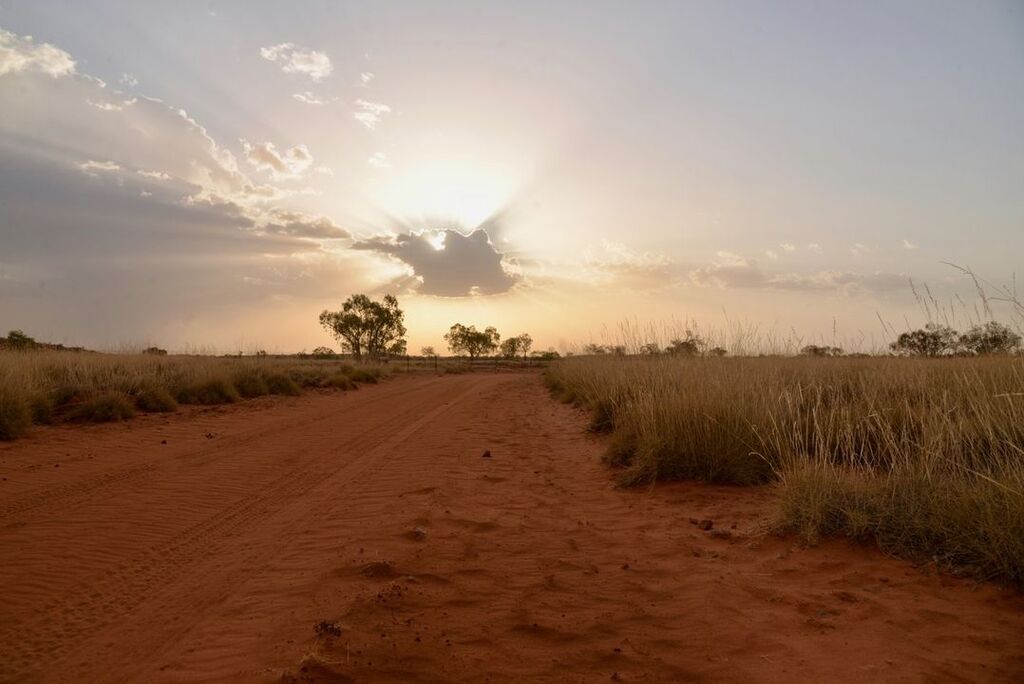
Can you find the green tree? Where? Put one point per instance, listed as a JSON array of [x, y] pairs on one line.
[[826, 351], [990, 338], [468, 340], [16, 339], [691, 345], [365, 327], [931, 340]]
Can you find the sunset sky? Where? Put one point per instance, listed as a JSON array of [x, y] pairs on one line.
[[210, 175]]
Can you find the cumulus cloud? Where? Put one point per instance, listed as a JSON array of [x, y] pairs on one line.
[[296, 60], [128, 80], [290, 163], [370, 113], [814, 247], [22, 53], [302, 225], [787, 247], [859, 249], [366, 77], [907, 244], [447, 263], [731, 270]]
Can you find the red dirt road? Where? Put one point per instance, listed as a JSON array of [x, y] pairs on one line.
[[212, 557]]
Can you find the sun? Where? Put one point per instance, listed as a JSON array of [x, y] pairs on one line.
[[456, 193]]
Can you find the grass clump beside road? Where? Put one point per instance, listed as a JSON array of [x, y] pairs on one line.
[[925, 457], [43, 386]]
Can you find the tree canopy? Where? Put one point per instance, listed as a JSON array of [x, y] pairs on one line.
[[366, 327], [516, 346], [468, 340]]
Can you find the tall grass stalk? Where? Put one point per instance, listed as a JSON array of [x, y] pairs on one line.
[[923, 456]]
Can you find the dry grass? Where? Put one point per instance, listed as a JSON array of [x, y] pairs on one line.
[[46, 386], [925, 457]]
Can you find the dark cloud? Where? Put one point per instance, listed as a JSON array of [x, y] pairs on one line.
[[448, 263]]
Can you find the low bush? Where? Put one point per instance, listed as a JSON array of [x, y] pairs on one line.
[[250, 383], [15, 414], [102, 408], [279, 383], [208, 392], [341, 381], [155, 399], [365, 375]]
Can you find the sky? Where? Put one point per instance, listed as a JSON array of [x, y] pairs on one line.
[[211, 175]]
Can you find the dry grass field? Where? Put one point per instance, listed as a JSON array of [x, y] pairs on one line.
[[923, 456], [45, 387]]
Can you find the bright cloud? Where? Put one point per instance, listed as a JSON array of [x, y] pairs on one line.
[[24, 54], [907, 244], [307, 97], [295, 60], [380, 160], [290, 163], [91, 167], [370, 113]]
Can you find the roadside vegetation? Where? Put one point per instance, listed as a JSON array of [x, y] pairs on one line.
[[920, 451], [43, 386]]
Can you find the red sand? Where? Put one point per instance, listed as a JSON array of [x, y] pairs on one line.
[[214, 556]]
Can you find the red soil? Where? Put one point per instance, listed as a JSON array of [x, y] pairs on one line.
[[373, 514]]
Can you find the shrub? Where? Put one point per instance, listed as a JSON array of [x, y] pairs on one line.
[[15, 414], [42, 406], [279, 383], [342, 382], [102, 408], [155, 399], [364, 375], [250, 383], [208, 392]]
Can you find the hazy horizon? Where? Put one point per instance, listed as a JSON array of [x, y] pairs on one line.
[[213, 176]]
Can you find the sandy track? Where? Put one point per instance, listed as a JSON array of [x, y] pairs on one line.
[[212, 557]]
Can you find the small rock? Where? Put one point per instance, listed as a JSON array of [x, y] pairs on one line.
[[163, 441], [486, 454], [694, 521], [625, 566], [209, 435], [324, 628], [416, 534], [705, 524]]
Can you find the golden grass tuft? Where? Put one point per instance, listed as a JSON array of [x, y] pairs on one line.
[[925, 457]]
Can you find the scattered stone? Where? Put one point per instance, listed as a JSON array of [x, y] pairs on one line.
[[324, 628], [486, 454], [416, 534], [209, 435], [378, 570], [163, 441], [625, 566], [705, 524], [694, 521]]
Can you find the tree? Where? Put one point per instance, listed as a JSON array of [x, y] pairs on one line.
[[510, 348], [16, 339], [468, 340], [514, 346], [525, 342], [427, 352], [650, 349], [691, 345], [717, 351], [822, 351], [323, 351], [364, 326], [990, 338], [155, 351], [932, 340], [594, 349]]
